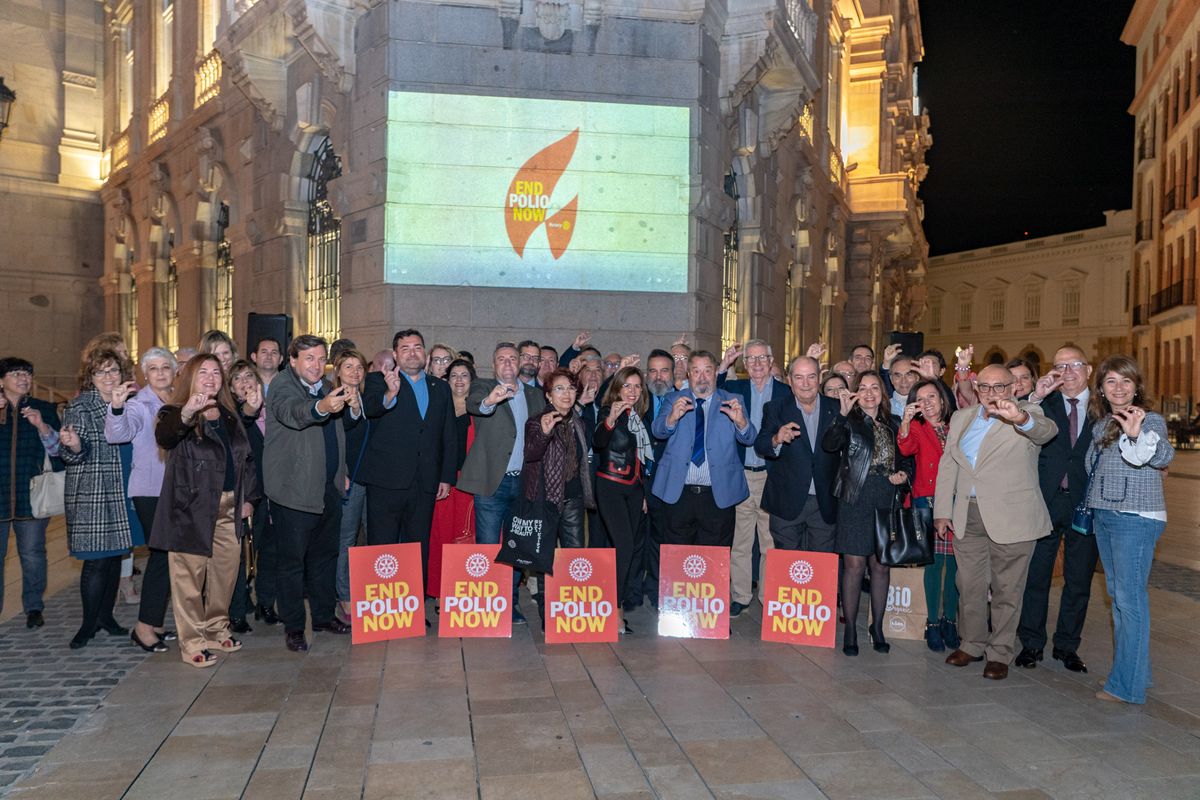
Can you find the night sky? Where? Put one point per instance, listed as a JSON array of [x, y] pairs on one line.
[[1028, 115]]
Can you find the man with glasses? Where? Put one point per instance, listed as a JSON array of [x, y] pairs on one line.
[[987, 497], [1062, 469], [756, 391], [529, 362], [680, 353], [492, 471]]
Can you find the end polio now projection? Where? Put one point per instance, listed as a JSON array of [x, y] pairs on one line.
[[531, 193]]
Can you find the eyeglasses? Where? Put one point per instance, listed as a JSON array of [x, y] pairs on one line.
[[564, 389], [991, 388], [1072, 366], [612, 364], [680, 359], [526, 358], [441, 359], [111, 372], [20, 373], [757, 359]]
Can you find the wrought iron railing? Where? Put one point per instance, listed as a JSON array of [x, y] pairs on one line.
[[1180, 293]]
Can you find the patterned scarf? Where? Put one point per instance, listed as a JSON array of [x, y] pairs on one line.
[[638, 429]]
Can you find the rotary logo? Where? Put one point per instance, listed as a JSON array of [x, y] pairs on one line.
[[529, 198], [801, 572], [580, 569], [386, 566], [478, 565], [694, 567]]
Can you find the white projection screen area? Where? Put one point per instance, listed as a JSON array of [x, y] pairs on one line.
[[548, 194]]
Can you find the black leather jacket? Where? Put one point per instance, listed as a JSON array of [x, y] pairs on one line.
[[854, 438], [615, 451]]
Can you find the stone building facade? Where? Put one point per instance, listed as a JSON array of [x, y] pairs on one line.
[[1166, 197], [246, 146], [1028, 298], [51, 220]]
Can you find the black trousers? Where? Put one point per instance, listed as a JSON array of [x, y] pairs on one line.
[[654, 523], [620, 508], [156, 579], [1079, 564], [400, 516], [695, 519], [570, 534], [98, 581], [307, 549], [265, 555]]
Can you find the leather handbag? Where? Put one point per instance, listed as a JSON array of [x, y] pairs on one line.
[[1081, 517], [47, 492], [529, 538], [901, 537]]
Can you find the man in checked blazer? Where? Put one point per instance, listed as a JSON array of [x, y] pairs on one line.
[[987, 495]]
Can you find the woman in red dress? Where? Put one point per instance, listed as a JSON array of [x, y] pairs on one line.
[[454, 517]]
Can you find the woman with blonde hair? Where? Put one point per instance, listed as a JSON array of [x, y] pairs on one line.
[[221, 345], [207, 494], [1126, 460], [440, 358]]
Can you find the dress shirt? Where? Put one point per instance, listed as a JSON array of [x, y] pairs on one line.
[[520, 412], [1082, 397], [972, 438], [899, 401], [758, 398], [420, 389], [811, 420]]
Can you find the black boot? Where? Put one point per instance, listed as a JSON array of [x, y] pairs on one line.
[[112, 582], [91, 596]]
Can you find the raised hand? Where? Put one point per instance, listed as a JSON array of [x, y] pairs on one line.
[[69, 439], [392, 378], [847, 399], [499, 394], [816, 350], [683, 340], [34, 418], [1130, 419], [575, 365], [1007, 410], [588, 395], [353, 399], [681, 406], [631, 360], [254, 399], [786, 434], [1048, 383], [964, 357], [335, 401], [910, 412], [890, 353], [581, 340], [732, 408], [731, 355], [549, 420], [194, 405], [615, 411], [121, 393]]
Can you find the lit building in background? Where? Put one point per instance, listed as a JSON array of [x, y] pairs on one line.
[[51, 221], [1028, 298], [1166, 197], [738, 169]]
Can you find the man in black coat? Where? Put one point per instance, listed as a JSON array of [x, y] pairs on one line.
[[412, 451], [799, 489], [1062, 473]]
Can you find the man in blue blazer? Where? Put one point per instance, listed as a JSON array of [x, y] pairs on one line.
[[750, 518], [799, 490], [700, 479]]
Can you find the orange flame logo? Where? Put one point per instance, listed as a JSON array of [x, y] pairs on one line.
[[529, 198]]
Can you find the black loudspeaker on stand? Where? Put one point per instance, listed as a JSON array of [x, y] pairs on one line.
[[912, 343], [268, 326]]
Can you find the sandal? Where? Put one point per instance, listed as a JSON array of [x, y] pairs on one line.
[[229, 645], [202, 659]]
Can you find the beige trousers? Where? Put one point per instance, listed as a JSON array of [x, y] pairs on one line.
[[202, 586], [748, 519], [981, 562]]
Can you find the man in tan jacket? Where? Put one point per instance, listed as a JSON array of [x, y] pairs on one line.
[[987, 495]]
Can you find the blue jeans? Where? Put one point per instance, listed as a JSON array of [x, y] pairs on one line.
[[1126, 543], [31, 550], [490, 513], [354, 512]]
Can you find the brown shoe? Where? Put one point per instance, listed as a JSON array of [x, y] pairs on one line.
[[995, 670], [960, 658]]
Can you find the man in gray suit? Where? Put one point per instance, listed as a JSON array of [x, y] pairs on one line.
[[492, 471]]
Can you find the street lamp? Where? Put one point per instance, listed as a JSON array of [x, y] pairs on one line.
[[7, 98]]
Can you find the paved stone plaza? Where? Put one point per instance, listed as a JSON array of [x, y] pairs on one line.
[[647, 717]]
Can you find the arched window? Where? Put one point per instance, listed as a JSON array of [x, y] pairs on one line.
[[323, 284], [224, 320]]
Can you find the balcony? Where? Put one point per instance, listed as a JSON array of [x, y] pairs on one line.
[[119, 154], [208, 78], [1141, 315], [160, 115], [837, 170], [1180, 293], [802, 21], [882, 194]]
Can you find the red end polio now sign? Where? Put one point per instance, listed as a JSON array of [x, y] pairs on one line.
[[693, 591], [476, 592], [581, 596], [387, 595], [800, 598]]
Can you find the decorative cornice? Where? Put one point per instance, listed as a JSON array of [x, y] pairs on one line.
[[79, 79]]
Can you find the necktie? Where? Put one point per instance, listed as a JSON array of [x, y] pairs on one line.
[[1073, 423], [698, 446]]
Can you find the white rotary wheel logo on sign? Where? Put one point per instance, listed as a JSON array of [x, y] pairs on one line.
[[800, 572], [386, 566], [580, 569], [694, 567], [478, 565]]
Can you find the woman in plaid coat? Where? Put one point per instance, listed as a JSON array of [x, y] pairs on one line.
[[97, 520]]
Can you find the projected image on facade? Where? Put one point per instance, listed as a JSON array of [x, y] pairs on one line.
[[554, 194]]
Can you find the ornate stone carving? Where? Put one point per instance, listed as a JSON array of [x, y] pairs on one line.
[[551, 17], [79, 79]]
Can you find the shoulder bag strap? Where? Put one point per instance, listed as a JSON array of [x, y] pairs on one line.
[[358, 461]]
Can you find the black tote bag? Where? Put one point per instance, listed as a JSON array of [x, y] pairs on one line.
[[901, 537], [530, 533]]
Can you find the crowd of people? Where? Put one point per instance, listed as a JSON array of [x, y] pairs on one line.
[[248, 480]]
